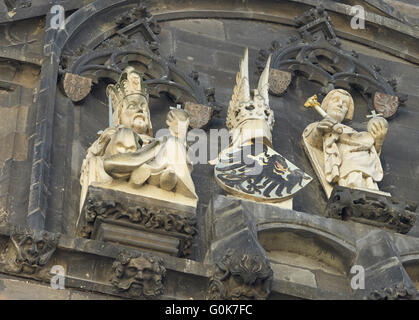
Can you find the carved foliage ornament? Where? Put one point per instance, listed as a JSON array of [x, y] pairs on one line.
[[141, 276], [371, 208], [240, 276], [318, 57], [150, 218], [397, 292], [134, 41]]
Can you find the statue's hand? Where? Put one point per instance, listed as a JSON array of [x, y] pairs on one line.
[[326, 125], [378, 127]]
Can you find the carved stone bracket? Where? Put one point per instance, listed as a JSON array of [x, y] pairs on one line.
[[171, 230], [29, 250], [140, 276], [318, 57], [241, 275], [385, 276], [241, 269], [371, 208]]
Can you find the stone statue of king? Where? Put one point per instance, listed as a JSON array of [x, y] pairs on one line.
[[341, 155], [127, 158]]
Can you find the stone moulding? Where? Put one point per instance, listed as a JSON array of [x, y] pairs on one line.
[[371, 208]]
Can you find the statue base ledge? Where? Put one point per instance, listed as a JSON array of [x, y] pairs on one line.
[[373, 208], [137, 221], [151, 192]]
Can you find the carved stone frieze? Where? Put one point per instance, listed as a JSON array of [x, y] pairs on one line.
[[153, 219], [241, 276], [398, 292], [371, 208], [141, 276], [29, 250]]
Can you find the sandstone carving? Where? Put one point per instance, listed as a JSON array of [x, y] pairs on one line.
[[371, 208], [127, 158], [241, 276], [153, 219], [140, 276], [398, 292], [339, 154], [29, 250], [250, 168]]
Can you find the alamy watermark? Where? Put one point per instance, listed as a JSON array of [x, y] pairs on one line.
[[58, 17], [57, 282], [358, 280], [358, 20]]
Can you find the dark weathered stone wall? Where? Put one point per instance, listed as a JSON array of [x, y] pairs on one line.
[[212, 46], [21, 53]]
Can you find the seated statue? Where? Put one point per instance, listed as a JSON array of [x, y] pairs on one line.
[[339, 154], [126, 157]]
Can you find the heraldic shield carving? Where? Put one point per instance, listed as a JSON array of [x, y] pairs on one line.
[[250, 168]]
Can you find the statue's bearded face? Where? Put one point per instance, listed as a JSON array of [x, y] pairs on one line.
[[338, 106], [135, 114]]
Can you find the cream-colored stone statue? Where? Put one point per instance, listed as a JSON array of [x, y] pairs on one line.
[[339, 154], [249, 168], [126, 157]]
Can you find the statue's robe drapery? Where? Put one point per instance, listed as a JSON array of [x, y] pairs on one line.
[[347, 153], [92, 170], [171, 154]]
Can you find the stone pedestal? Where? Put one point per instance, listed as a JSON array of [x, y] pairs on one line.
[[372, 208], [137, 222]]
